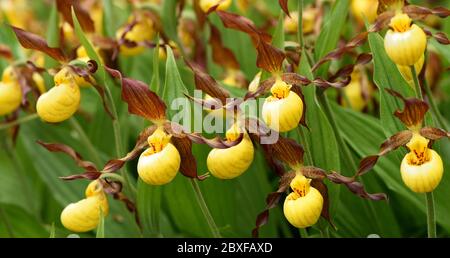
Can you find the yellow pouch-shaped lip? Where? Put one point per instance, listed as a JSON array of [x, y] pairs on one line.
[[161, 167], [59, 103], [10, 97]]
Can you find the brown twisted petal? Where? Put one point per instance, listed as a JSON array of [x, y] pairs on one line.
[[58, 147], [414, 111], [421, 12], [65, 8], [393, 143], [29, 40], [381, 22]]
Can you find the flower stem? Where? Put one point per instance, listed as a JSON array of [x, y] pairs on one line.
[[118, 142], [431, 217], [19, 121], [85, 140], [201, 202], [416, 83]]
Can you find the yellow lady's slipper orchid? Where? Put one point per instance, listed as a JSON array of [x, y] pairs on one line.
[[421, 168], [405, 44], [362, 9], [159, 164], [84, 215], [141, 32], [205, 5], [234, 78], [10, 91], [354, 91], [406, 70], [284, 109], [231, 162], [61, 101], [302, 207]]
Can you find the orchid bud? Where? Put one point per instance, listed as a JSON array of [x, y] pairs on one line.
[[405, 44]]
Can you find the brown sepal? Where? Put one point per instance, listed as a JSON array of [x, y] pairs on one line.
[[29, 40], [414, 111], [288, 151], [271, 201], [188, 165], [65, 8], [207, 83], [140, 99], [421, 12], [269, 57], [221, 54], [323, 189], [243, 24], [434, 133], [284, 6]]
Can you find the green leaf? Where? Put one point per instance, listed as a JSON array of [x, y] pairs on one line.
[[108, 19], [53, 36], [169, 12], [149, 208], [278, 35], [155, 83], [16, 222], [174, 87], [387, 76], [330, 32]]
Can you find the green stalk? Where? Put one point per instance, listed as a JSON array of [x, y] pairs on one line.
[[85, 140], [118, 142], [300, 24], [303, 233], [431, 216], [201, 202], [19, 121]]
